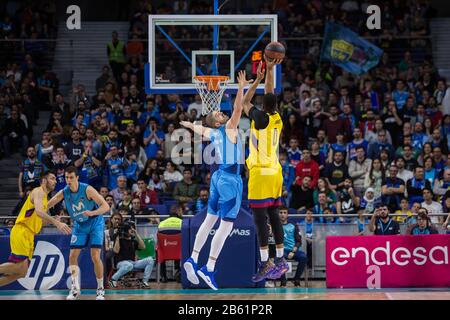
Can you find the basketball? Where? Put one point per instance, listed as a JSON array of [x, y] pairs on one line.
[[275, 50]]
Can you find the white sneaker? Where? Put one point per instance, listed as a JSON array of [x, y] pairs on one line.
[[74, 294], [100, 294], [191, 271]]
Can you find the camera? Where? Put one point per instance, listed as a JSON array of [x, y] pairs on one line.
[[124, 228]]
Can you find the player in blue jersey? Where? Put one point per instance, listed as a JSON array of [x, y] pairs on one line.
[[226, 185], [86, 207]]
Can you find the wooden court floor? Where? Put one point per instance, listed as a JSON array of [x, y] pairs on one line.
[[173, 291]]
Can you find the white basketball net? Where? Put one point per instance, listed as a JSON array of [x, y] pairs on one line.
[[211, 89]]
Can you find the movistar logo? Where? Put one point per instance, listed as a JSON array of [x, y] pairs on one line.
[[78, 207]]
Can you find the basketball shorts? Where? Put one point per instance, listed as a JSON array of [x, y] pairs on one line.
[[89, 233], [225, 195], [265, 186], [22, 244]]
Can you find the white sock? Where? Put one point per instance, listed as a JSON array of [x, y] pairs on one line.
[[280, 252], [194, 256], [217, 243], [75, 282], [202, 235], [100, 283], [264, 254]]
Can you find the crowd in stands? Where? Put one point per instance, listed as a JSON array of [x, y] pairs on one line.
[[349, 143]]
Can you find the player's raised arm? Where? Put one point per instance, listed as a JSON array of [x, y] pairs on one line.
[[198, 129], [251, 91], [238, 106], [103, 206], [55, 199], [268, 85], [38, 198]]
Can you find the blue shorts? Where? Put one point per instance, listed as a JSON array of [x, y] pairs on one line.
[[225, 195], [89, 233]]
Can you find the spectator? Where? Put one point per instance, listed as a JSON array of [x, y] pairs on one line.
[[130, 170], [323, 186], [145, 195], [292, 246], [125, 119], [63, 108], [336, 172], [110, 200], [74, 148], [302, 194], [348, 202], [307, 167], [202, 201], [119, 192], [432, 207], [132, 146], [153, 138], [323, 205], [339, 146], [31, 171], [334, 124], [14, 134], [382, 224], [197, 105], [404, 210], [376, 147], [431, 174], [423, 226], [126, 201], [410, 161], [110, 237], [415, 186], [101, 81], [400, 94], [294, 153], [317, 155], [358, 168], [403, 173], [186, 190], [357, 142], [127, 242], [441, 186], [114, 167], [393, 189], [369, 202], [171, 176], [135, 49], [375, 177], [88, 164], [103, 191]]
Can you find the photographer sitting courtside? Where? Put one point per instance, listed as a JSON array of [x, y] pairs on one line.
[[125, 246], [110, 237]]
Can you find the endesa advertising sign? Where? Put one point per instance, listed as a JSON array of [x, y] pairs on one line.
[[388, 261]]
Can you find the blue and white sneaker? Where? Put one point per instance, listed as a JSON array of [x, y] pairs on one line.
[[191, 269], [208, 277]]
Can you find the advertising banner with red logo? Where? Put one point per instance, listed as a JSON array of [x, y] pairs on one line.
[[390, 261]]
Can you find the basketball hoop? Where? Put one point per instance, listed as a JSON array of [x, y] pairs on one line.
[[211, 89]]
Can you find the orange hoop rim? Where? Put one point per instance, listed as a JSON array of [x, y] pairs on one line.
[[212, 81]]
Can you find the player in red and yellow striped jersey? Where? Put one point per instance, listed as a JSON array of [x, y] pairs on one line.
[[28, 224]]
